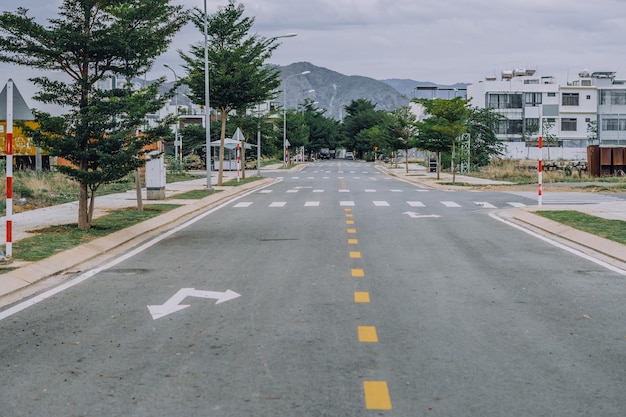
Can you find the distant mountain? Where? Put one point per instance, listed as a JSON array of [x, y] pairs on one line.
[[425, 89], [333, 91]]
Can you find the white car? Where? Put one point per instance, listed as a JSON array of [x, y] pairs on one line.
[[349, 155]]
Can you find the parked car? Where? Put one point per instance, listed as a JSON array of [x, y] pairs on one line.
[[349, 155]]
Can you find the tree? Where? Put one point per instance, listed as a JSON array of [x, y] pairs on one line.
[[361, 114], [91, 41], [482, 125], [450, 120], [402, 129], [238, 74]]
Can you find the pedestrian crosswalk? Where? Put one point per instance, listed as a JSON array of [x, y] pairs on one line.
[[380, 203]]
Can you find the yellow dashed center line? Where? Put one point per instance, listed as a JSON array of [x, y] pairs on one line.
[[353, 241], [358, 273], [361, 297], [349, 222], [352, 231], [355, 255], [376, 395], [367, 334]]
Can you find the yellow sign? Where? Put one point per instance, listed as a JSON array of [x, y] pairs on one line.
[[22, 145]]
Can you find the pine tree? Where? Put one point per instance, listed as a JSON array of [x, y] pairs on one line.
[[92, 41]]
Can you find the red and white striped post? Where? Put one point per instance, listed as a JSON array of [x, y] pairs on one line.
[[238, 161], [9, 170], [540, 173]]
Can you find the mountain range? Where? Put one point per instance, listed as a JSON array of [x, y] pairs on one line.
[[333, 91]]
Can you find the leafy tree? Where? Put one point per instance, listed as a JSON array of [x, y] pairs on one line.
[[91, 41], [402, 130], [549, 138], [361, 114], [482, 125], [450, 120], [323, 132], [238, 75]]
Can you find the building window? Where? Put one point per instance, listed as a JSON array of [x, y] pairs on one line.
[[569, 99], [615, 123], [568, 125], [531, 125], [552, 94], [588, 97], [613, 97], [533, 99], [504, 101]]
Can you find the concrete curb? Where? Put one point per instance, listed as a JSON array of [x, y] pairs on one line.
[[64, 261]]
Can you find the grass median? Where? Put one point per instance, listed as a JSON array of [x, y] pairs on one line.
[[614, 230]]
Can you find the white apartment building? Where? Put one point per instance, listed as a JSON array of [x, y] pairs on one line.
[[570, 112]]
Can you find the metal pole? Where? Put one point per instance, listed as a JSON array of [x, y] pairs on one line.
[[207, 112], [258, 143]]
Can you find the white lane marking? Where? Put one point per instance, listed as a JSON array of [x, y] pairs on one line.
[[450, 204], [292, 191], [278, 204], [560, 245], [243, 204], [346, 203], [312, 204], [518, 205], [381, 204], [370, 191], [484, 204], [318, 191], [415, 204], [266, 191]]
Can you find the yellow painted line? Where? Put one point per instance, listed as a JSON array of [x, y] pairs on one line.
[[351, 231], [358, 273], [349, 216], [376, 395], [367, 334], [353, 241], [355, 255], [350, 222], [343, 184], [361, 297], [348, 210]]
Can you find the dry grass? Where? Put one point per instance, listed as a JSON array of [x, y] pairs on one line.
[[525, 172]]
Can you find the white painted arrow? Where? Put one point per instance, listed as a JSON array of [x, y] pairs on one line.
[[173, 304], [414, 215]]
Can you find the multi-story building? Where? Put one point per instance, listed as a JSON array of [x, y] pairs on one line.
[[589, 110]]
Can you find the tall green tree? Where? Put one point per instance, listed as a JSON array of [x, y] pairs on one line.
[[361, 114], [238, 74], [482, 127], [402, 130], [91, 41], [450, 120]]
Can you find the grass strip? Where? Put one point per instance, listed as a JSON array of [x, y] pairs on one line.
[[54, 239], [614, 230], [195, 194]]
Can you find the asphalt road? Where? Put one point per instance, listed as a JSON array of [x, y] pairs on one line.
[[359, 295]]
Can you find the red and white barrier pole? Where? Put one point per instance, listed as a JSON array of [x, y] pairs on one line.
[[238, 161], [540, 173], [9, 168]]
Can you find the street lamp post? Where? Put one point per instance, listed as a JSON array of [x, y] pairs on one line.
[[176, 138], [207, 112], [285, 115]]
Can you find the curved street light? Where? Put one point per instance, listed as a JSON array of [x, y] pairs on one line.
[[285, 115]]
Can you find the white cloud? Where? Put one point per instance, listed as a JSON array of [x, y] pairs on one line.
[[444, 41]]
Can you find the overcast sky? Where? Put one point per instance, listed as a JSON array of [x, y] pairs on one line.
[[443, 41]]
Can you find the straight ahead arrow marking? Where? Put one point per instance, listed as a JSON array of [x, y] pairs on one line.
[[414, 215]]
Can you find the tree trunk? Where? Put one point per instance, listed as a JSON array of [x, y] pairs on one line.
[[406, 158], [83, 214]]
